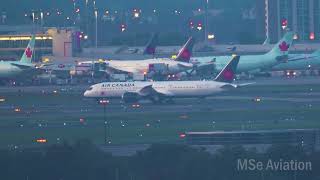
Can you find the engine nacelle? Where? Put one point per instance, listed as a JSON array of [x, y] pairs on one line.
[[130, 97]]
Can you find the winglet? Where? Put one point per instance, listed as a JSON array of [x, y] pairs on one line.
[[152, 44], [228, 72], [185, 52], [29, 51]]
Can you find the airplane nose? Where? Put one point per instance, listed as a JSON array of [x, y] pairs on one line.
[[86, 94]]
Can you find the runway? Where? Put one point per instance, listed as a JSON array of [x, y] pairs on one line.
[[63, 114]]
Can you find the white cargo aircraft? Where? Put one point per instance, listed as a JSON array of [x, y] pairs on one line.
[[131, 92], [10, 69]]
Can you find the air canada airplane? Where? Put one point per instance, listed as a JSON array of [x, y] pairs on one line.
[[160, 65], [300, 62], [253, 63], [131, 92], [10, 69]]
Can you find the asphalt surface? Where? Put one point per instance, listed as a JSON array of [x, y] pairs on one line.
[[267, 94]]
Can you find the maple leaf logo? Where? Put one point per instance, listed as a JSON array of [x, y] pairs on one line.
[[28, 52], [284, 46], [228, 75]]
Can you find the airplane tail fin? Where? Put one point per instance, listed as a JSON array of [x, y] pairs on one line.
[[185, 52], [152, 44], [281, 49], [28, 52], [228, 72]]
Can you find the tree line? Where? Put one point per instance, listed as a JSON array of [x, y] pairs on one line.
[[85, 161]]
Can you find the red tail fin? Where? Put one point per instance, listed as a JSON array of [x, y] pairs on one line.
[[185, 52], [152, 44], [228, 72]]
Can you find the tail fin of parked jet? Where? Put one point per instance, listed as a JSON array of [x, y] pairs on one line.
[[228, 72], [28, 53], [152, 44], [281, 50], [185, 52]]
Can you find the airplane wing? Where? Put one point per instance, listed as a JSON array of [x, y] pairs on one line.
[[185, 66], [233, 86], [21, 66], [110, 70], [244, 84], [149, 91], [302, 58]]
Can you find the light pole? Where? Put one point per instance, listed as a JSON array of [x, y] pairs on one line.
[[96, 16], [206, 22], [104, 103]]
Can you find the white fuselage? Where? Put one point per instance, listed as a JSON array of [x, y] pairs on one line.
[[165, 88], [8, 70], [142, 66]]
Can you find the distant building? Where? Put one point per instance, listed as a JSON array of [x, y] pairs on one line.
[[60, 42], [301, 16]]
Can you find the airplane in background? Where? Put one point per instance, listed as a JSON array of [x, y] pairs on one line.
[[10, 69], [300, 62], [150, 48], [252, 63], [132, 92], [163, 66]]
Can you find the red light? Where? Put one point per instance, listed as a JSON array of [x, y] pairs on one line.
[[104, 102], [82, 120], [284, 22], [311, 36], [41, 140]]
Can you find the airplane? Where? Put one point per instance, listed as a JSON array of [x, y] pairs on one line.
[[252, 63], [300, 62], [163, 66], [157, 92], [10, 69], [150, 48]]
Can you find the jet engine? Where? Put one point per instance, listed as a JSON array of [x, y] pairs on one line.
[[130, 97]]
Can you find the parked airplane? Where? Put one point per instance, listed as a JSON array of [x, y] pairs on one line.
[[161, 66], [13, 68], [150, 48], [300, 62], [131, 92], [253, 63]]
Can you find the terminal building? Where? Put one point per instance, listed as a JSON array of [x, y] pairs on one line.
[[58, 42]]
